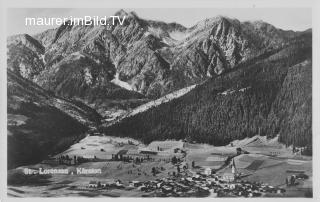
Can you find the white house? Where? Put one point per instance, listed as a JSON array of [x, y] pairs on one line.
[[207, 171], [93, 184]]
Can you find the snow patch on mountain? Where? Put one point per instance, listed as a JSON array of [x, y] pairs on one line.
[[157, 32], [112, 115], [87, 76], [208, 73], [178, 35], [120, 83], [43, 59], [77, 55], [161, 100], [147, 106], [24, 71], [171, 39]]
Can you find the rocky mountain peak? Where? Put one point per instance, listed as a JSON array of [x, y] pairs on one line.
[[155, 57], [129, 15], [28, 41], [121, 13]]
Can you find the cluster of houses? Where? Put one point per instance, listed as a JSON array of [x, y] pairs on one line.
[[187, 183], [292, 180], [124, 156], [144, 155], [67, 160], [197, 185], [103, 185]]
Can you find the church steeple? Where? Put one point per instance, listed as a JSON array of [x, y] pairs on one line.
[[233, 167]]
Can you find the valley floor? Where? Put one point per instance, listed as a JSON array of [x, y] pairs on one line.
[[262, 168]]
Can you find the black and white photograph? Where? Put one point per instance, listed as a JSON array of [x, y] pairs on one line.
[[204, 102]]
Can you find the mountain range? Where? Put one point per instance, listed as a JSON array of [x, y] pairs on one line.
[[247, 78]]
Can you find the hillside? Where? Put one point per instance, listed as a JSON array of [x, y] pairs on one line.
[[40, 123], [269, 95], [76, 76]]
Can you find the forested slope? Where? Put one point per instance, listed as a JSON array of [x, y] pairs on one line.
[[256, 98], [40, 123]]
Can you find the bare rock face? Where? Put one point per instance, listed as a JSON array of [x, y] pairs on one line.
[[25, 56], [152, 57]]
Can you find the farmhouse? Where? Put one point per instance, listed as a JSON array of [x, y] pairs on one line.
[[148, 151], [93, 184], [228, 177], [88, 156], [208, 171]]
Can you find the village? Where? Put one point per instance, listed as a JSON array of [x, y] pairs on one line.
[[175, 169], [188, 184]]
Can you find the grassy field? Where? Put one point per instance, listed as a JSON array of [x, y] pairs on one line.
[[257, 167]]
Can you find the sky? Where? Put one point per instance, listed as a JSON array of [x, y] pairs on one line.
[[297, 19]]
